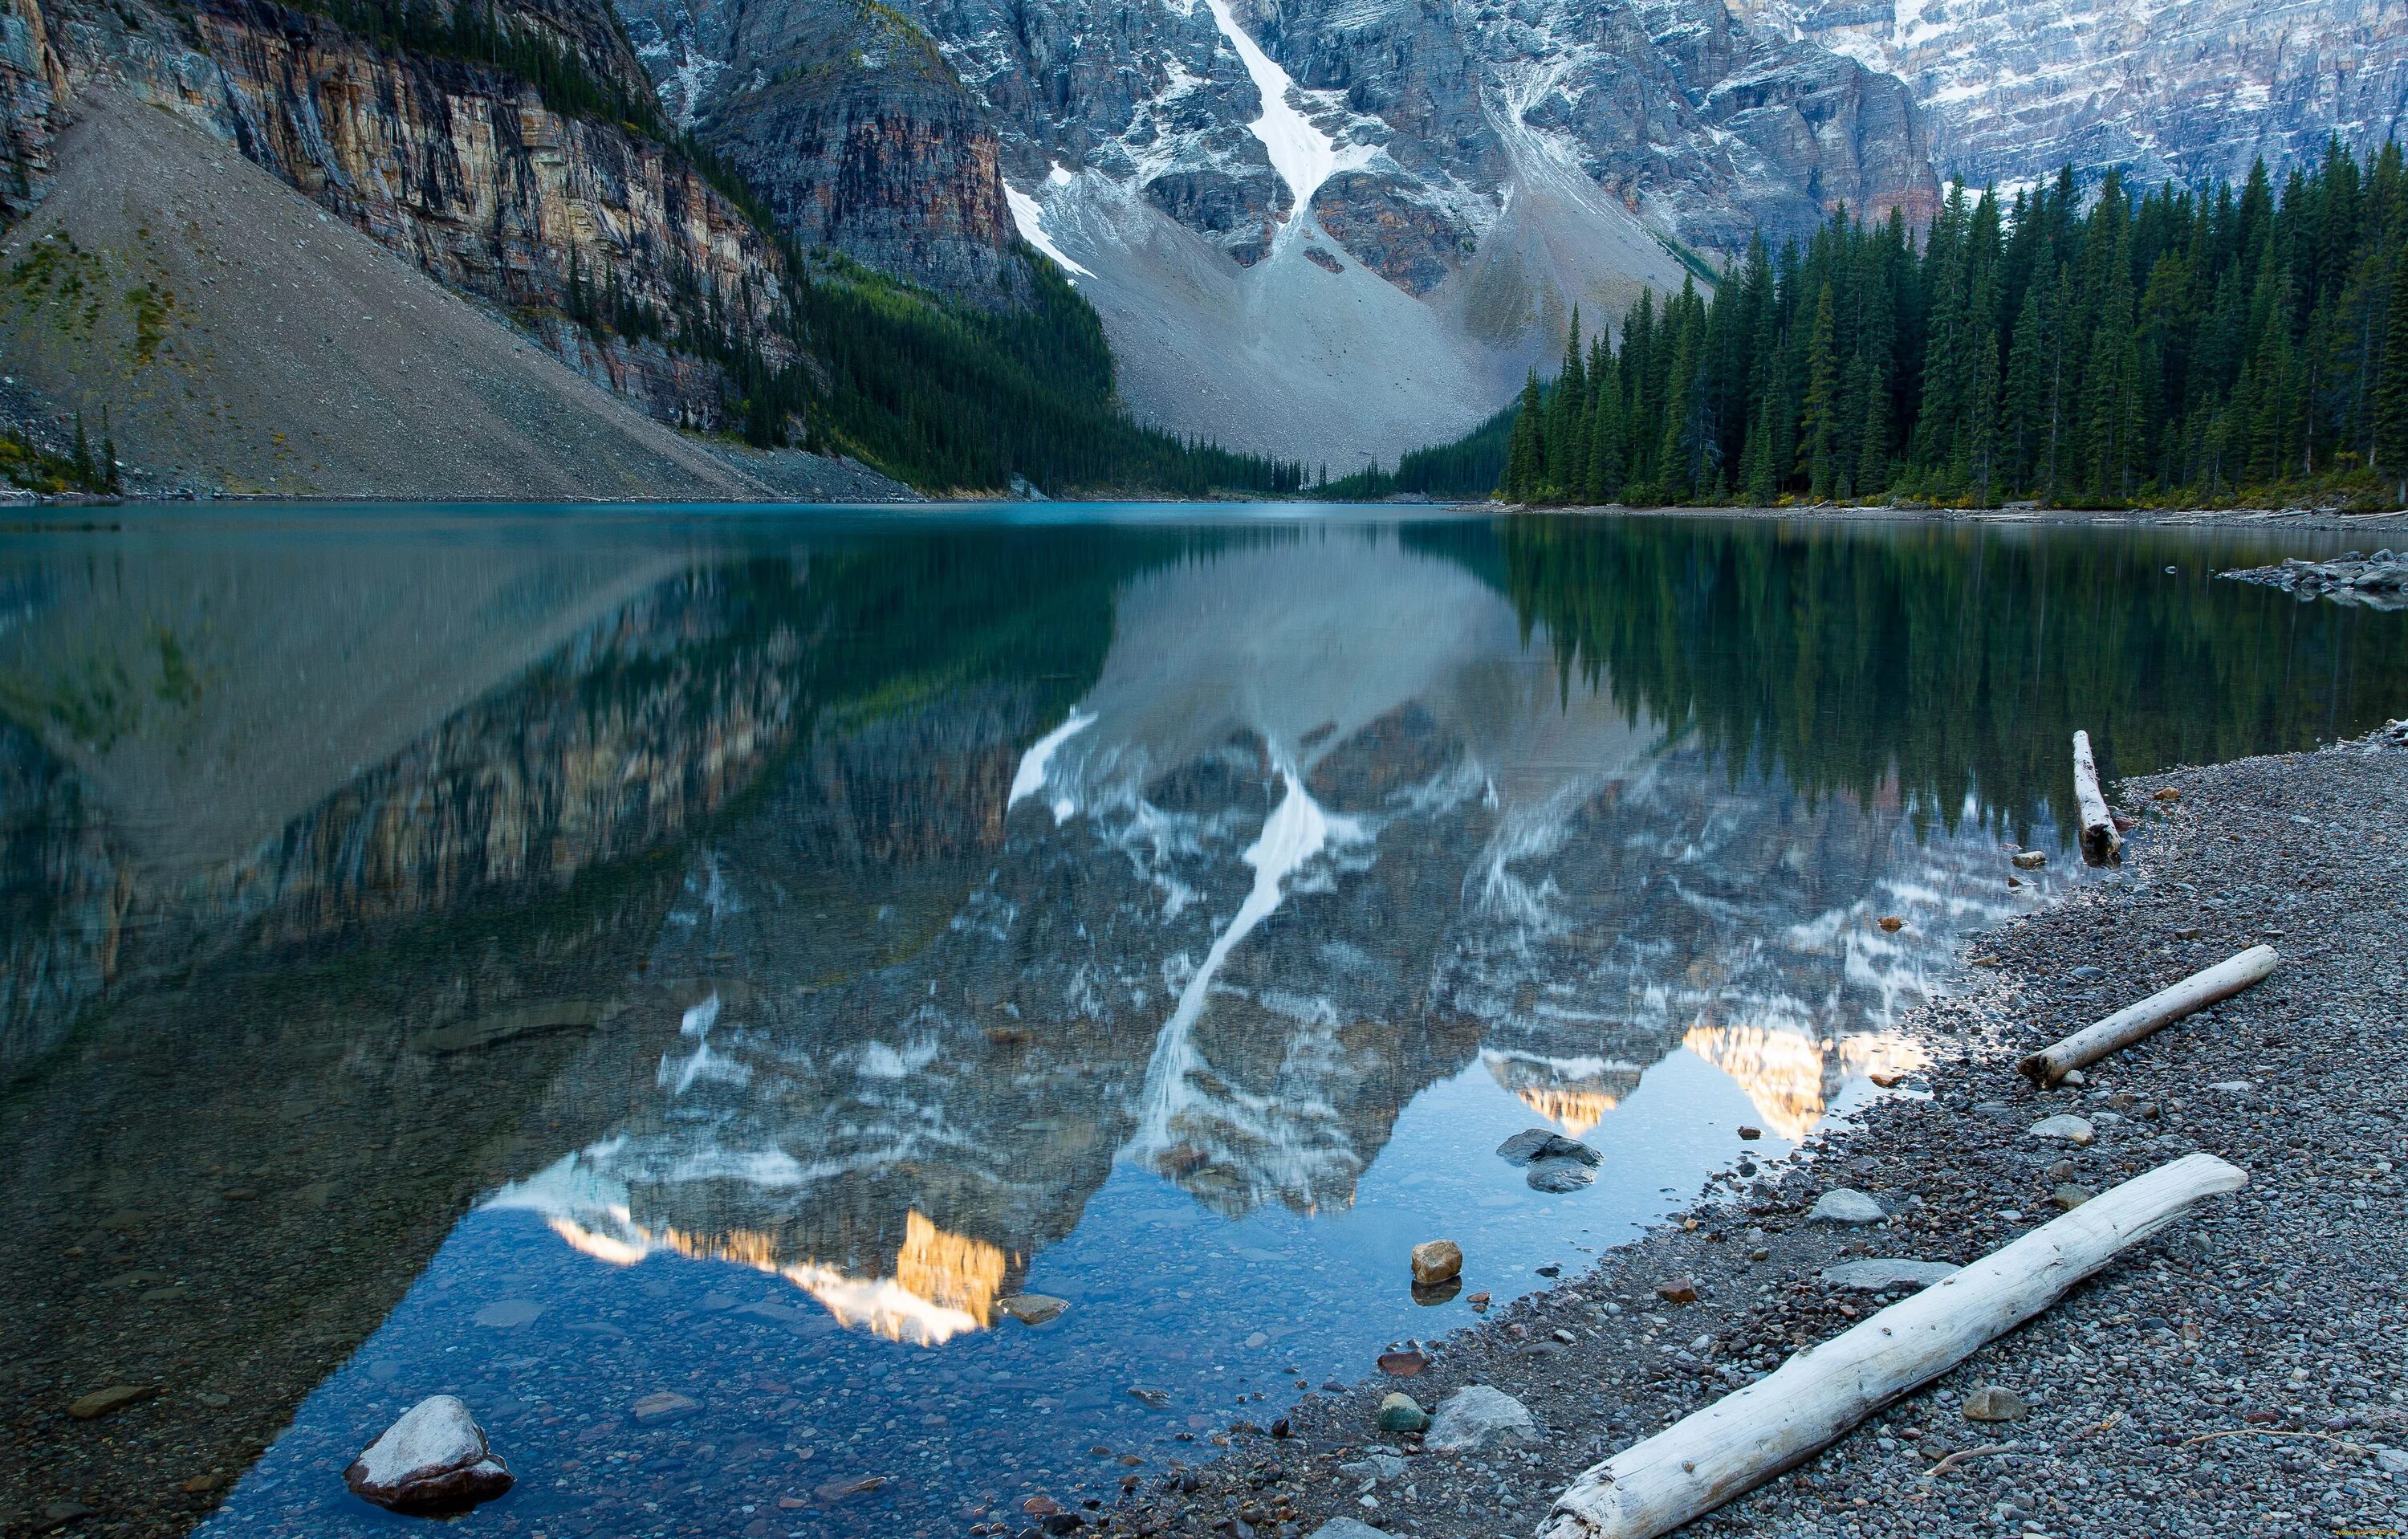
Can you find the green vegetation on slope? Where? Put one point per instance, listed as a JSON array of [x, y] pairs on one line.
[[945, 396], [2178, 346], [1469, 467]]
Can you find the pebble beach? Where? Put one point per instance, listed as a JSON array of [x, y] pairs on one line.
[[2243, 1372]]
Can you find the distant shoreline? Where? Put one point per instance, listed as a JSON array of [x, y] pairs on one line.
[[2272, 520], [2275, 519]]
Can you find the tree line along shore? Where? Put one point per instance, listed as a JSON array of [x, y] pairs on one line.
[[2073, 346]]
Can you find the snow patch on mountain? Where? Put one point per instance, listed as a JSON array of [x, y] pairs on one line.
[[2187, 90], [1300, 152]]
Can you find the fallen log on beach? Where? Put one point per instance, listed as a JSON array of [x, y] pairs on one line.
[[2135, 1021], [2101, 843], [1782, 1421]]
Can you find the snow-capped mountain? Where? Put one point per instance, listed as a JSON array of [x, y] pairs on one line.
[[1319, 228], [2189, 90]]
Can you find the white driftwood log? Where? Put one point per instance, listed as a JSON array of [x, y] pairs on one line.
[[2100, 841], [1780, 1421], [2163, 1008]]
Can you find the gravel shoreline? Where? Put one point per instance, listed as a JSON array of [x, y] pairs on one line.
[[2244, 1372]]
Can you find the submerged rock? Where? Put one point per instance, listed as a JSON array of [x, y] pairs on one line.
[[1539, 1143], [101, 1402], [1553, 1175], [1480, 1417], [663, 1406], [1033, 1308], [434, 1459]]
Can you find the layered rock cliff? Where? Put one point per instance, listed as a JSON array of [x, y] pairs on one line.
[[845, 117], [2190, 91], [425, 142]]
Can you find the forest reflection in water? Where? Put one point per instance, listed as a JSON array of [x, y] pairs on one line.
[[581, 966]]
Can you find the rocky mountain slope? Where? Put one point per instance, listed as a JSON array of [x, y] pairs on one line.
[[241, 339], [2190, 90], [1319, 230]]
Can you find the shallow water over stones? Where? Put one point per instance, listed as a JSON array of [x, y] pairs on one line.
[[668, 981]]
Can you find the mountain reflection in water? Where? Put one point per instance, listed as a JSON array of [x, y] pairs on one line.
[[733, 959]]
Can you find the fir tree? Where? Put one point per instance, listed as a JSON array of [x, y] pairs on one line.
[[1525, 458], [1818, 428], [2391, 389]]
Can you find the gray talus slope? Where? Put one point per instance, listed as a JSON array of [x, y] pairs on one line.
[[240, 338]]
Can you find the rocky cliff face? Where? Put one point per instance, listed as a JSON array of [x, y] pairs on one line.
[[2190, 91], [458, 165], [33, 81], [844, 115]]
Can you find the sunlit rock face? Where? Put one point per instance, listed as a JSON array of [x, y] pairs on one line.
[[1322, 832], [2185, 91]]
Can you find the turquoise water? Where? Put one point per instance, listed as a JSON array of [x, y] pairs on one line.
[[589, 957]]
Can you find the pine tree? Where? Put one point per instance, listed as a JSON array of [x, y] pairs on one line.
[[1525, 455], [1818, 428], [79, 458], [1981, 435], [1605, 440], [1567, 430], [2391, 389]]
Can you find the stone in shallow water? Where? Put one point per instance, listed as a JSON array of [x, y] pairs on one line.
[[1886, 1273], [1846, 1206], [434, 1459], [1558, 1175], [1033, 1308], [1347, 1528], [1435, 1261], [1479, 1417], [1545, 1144], [508, 1314], [101, 1402], [662, 1405]]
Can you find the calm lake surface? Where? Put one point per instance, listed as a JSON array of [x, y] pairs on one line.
[[664, 977]]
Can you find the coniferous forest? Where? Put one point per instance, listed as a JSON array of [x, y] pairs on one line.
[[2070, 347]]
